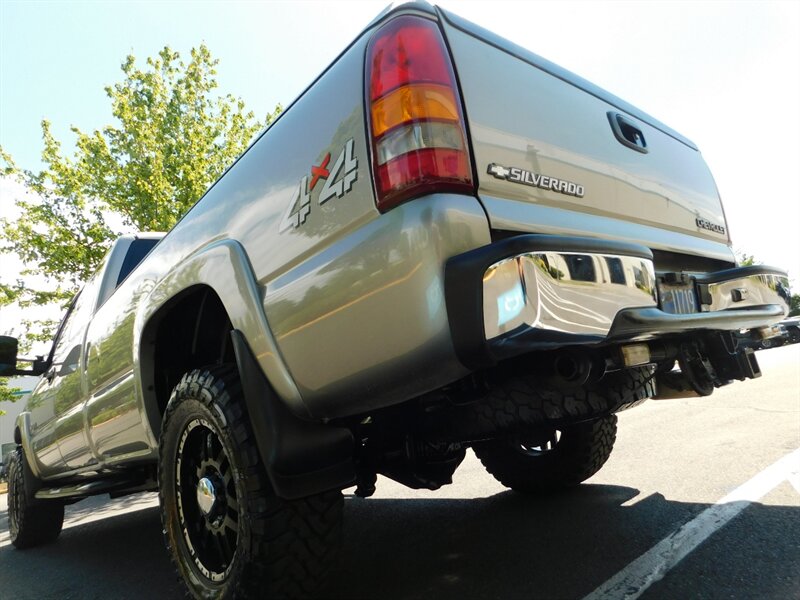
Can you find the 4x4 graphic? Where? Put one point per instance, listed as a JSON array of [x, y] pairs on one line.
[[300, 205]]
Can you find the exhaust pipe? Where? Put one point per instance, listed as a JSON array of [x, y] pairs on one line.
[[572, 368]]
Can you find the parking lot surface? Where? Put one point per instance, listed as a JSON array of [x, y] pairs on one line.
[[707, 490]]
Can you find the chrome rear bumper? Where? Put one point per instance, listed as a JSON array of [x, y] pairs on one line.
[[539, 291], [743, 287], [569, 292]]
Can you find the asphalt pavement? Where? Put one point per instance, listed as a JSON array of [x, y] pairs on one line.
[[700, 499]]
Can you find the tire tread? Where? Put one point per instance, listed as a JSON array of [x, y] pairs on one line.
[[520, 403], [580, 453], [37, 522], [293, 543]]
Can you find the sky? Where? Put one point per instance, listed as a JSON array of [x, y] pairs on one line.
[[724, 74]]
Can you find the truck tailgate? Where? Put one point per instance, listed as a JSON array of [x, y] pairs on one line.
[[556, 154]]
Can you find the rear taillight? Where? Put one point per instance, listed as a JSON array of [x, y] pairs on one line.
[[416, 122]]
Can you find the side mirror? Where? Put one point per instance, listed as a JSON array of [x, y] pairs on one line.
[[9, 346], [8, 355]]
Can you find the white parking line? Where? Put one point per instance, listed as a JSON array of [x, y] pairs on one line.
[[633, 580]]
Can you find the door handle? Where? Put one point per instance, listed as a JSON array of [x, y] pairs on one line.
[[627, 133]]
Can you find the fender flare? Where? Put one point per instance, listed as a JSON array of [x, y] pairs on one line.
[[224, 267], [22, 436], [301, 457]]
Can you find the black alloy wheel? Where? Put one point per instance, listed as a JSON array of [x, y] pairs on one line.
[[207, 500], [539, 444], [229, 535]]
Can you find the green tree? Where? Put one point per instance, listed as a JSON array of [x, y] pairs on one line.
[[794, 306], [748, 260], [7, 394], [170, 139]]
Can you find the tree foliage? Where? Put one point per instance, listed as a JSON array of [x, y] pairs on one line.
[[171, 139], [7, 394], [794, 305], [748, 260]]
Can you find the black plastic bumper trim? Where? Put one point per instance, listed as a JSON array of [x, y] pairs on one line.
[[639, 323], [302, 458]]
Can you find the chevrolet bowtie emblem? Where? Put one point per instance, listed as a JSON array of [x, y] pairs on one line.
[[498, 171]]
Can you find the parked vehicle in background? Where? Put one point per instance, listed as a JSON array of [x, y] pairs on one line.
[[446, 242], [5, 450]]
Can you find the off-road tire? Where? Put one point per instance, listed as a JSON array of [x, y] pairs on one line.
[[282, 548], [579, 453], [31, 522], [518, 403]]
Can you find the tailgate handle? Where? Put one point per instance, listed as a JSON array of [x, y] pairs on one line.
[[627, 133]]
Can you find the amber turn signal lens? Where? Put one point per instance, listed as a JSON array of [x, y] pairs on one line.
[[412, 103]]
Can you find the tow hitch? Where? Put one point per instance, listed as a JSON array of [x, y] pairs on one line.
[[714, 360]]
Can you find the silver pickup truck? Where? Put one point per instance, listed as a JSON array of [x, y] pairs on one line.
[[445, 242]]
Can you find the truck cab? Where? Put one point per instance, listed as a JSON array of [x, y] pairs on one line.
[[69, 426]]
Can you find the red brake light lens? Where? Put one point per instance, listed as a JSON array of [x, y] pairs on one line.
[[407, 50], [416, 122]]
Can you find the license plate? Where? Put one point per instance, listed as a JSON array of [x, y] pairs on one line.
[[678, 299]]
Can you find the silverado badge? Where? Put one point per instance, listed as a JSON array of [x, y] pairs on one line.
[[545, 182]]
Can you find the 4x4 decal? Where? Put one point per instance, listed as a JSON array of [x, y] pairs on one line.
[[300, 205]]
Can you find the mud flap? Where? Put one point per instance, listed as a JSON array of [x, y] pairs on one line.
[[302, 458]]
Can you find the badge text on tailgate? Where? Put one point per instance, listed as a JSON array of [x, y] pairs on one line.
[[545, 182]]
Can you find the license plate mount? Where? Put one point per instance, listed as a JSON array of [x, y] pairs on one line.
[[678, 299]]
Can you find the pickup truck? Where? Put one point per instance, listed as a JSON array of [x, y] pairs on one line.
[[446, 242]]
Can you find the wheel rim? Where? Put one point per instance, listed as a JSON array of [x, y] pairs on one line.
[[543, 443], [207, 500]]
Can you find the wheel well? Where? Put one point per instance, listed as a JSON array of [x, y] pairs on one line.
[[190, 331]]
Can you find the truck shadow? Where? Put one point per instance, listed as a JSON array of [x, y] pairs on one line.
[[561, 546], [504, 546], [120, 556]]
